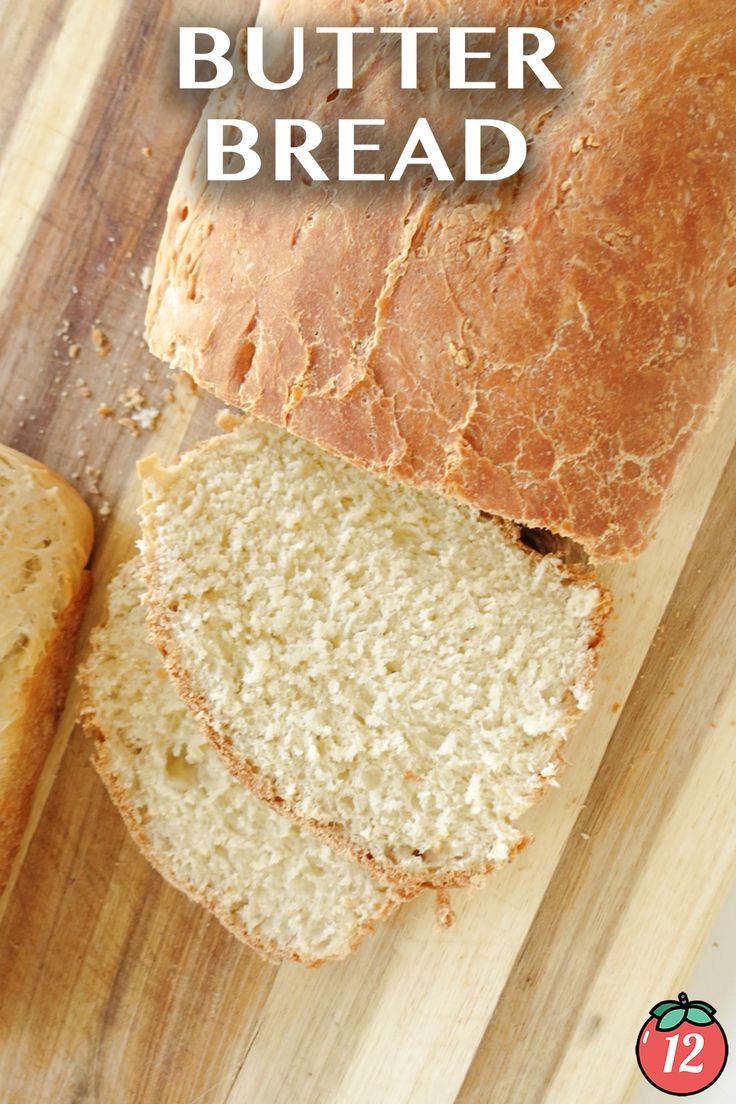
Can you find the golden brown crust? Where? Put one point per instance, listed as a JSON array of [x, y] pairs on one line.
[[265, 787], [32, 705], [546, 349], [26, 743]]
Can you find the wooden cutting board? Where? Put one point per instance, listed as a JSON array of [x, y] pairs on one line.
[[113, 987]]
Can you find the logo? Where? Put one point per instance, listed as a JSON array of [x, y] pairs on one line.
[[682, 1049]]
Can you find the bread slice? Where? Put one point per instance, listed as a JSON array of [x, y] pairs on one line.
[[284, 893], [46, 536], [546, 347], [382, 664]]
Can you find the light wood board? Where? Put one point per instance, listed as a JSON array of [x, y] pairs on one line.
[[114, 988]]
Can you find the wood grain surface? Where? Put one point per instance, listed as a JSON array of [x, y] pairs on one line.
[[113, 987]]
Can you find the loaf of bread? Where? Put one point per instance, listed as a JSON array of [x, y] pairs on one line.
[[45, 540], [284, 893], [546, 348], [384, 665]]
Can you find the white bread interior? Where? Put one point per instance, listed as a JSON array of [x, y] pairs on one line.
[[381, 663], [275, 887]]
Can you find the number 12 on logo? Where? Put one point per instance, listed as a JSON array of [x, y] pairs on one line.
[[682, 1048], [691, 1039]]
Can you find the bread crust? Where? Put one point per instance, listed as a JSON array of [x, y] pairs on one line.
[[546, 349], [265, 787], [78, 511], [27, 741], [27, 738]]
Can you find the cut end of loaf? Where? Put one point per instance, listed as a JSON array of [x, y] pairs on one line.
[[392, 669], [46, 534]]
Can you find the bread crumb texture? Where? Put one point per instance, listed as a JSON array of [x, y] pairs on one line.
[[274, 886], [388, 665]]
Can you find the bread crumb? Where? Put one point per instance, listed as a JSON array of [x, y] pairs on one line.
[[146, 418], [132, 398], [146, 277], [105, 411], [444, 917], [74, 351], [104, 509], [584, 835], [147, 152], [101, 341], [93, 478], [83, 389], [227, 420], [129, 424]]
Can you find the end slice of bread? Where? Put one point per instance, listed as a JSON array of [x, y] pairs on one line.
[[46, 534], [276, 888], [382, 664]]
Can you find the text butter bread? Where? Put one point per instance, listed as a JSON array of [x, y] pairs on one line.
[[546, 348], [384, 665]]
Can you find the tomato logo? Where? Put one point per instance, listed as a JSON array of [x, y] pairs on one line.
[[682, 1048]]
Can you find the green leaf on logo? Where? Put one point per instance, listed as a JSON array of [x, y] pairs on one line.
[[662, 1007], [704, 1005], [698, 1016], [671, 1019]]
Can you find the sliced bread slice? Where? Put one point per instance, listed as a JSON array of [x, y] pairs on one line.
[[278, 889], [382, 664], [46, 535]]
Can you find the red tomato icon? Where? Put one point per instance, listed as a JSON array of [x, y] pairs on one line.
[[682, 1049]]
